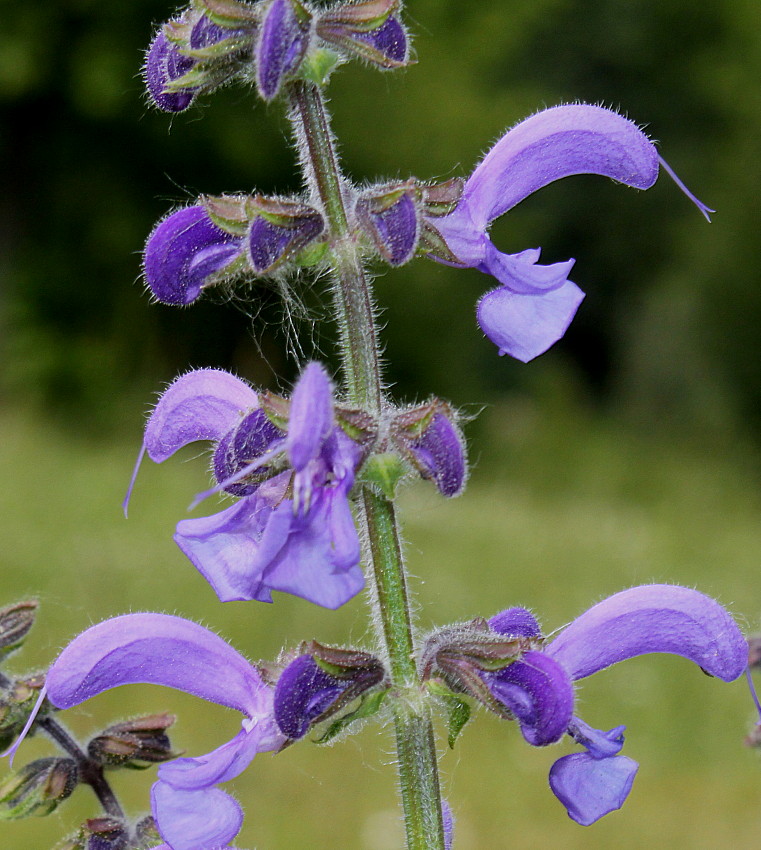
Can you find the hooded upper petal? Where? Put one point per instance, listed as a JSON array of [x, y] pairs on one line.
[[652, 618], [589, 787], [201, 405], [556, 143], [157, 649]]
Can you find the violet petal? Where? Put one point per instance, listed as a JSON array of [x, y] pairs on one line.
[[525, 326], [195, 820], [590, 788], [320, 561], [538, 692], [556, 143], [599, 744], [227, 761], [201, 405], [652, 618], [311, 416], [231, 549], [156, 649]]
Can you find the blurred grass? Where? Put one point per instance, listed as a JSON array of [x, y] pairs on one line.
[[563, 508]]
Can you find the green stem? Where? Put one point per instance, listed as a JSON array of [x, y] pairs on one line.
[[416, 748]]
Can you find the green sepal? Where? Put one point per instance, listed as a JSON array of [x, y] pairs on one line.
[[229, 13], [440, 199], [433, 244], [38, 788], [219, 49], [228, 212], [384, 472], [236, 266], [312, 255], [362, 17], [318, 65], [369, 705], [459, 713]]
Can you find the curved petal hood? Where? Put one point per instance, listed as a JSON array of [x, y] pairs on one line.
[[156, 649], [652, 618]]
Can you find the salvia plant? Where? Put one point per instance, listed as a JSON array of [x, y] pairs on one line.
[[313, 476]]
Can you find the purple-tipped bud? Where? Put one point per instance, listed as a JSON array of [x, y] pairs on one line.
[[306, 693], [242, 445], [515, 622], [439, 454], [205, 33], [279, 231], [163, 64], [283, 42], [391, 219], [184, 250], [303, 693], [369, 31]]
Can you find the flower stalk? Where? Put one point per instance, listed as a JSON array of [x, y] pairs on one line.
[[416, 750]]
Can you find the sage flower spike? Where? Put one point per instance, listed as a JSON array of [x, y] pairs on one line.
[[534, 304], [191, 813]]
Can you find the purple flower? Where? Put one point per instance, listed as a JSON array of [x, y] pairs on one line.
[[190, 812], [292, 530], [183, 252], [538, 689], [534, 304]]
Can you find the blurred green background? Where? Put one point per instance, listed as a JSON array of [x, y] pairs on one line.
[[627, 454]]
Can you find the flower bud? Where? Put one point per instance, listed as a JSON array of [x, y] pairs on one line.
[[163, 64], [189, 54], [463, 656], [368, 31], [279, 229], [104, 833], [430, 439], [15, 622], [283, 43], [390, 216], [183, 252], [38, 788], [16, 704], [136, 741], [315, 686], [241, 446]]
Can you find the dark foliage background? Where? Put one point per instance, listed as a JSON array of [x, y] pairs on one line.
[[669, 327]]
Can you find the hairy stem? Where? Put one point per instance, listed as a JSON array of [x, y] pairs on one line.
[[418, 768]]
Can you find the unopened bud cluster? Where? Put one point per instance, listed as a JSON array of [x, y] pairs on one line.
[[269, 42]]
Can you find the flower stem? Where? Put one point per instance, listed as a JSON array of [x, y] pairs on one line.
[[416, 749]]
